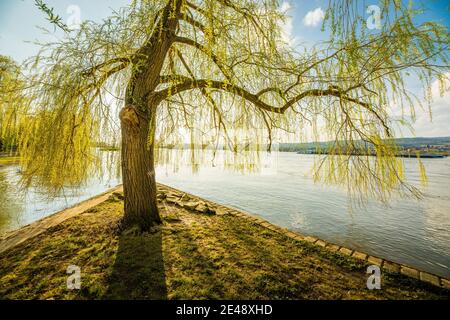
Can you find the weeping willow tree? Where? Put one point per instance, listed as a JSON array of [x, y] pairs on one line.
[[218, 70], [12, 103]]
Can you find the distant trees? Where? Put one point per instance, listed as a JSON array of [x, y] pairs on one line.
[[217, 68]]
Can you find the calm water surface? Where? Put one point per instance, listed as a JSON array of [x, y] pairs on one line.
[[412, 232], [19, 208]]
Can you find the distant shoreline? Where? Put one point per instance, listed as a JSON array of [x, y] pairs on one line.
[[412, 155]]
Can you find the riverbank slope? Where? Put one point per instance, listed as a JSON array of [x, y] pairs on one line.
[[199, 252]]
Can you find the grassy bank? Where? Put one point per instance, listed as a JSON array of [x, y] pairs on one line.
[[190, 256]]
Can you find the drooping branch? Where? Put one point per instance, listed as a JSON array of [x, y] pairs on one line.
[[194, 23], [105, 76], [222, 67], [208, 97], [52, 17], [124, 62], [196, 8], [247, 15]]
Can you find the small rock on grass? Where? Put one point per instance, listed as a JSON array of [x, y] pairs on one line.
[[205, 208], [161, 196], [185, 197], [190, 205], [172, 199], [119, 195]]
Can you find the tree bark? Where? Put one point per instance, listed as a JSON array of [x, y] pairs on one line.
[[138, 171], [138, 123]]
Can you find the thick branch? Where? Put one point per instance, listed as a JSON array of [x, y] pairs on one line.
[[191, 84]]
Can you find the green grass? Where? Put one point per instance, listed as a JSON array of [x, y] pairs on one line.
[[190, 256]]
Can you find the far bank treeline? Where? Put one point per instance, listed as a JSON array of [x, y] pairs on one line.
[[406, 146], [421, 145]]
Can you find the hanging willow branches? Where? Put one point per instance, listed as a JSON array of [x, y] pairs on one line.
[[12, 104], [226, 77]]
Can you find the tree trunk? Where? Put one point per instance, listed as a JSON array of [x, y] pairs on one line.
[[138, 171]]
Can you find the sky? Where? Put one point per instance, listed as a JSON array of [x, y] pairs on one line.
[[21, 26]]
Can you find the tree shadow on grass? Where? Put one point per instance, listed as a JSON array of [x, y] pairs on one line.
[[138, 271]]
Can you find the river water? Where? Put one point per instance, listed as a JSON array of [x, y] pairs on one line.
[[408, 231]]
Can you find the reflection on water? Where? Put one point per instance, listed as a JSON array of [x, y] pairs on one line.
[[10, 204], [19, 208], [412, 232]]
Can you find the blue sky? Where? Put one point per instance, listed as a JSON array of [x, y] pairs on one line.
[[19, 21]]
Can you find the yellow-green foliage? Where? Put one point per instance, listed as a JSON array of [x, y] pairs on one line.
[[230, 80], [11, 102]]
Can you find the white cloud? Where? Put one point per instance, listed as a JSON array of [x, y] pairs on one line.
[[285, 6], [425, 126], [314, 18], [287, 27], [438, 125]]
